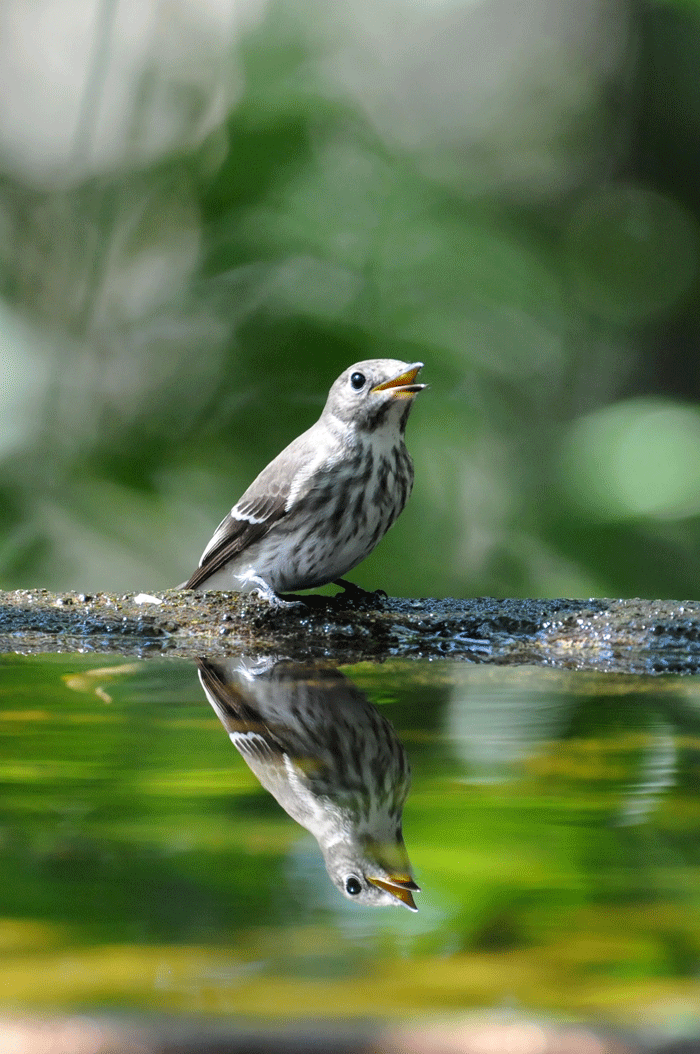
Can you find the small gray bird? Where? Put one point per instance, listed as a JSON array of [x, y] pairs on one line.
[[325, 502], [331, 760]]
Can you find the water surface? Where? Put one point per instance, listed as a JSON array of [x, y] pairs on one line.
[[552, 824]]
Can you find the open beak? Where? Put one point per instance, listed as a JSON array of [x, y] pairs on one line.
[[403, 387], [400, 886]]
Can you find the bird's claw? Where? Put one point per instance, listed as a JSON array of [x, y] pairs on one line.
[[274, 599], [266, 592], [358, 594]]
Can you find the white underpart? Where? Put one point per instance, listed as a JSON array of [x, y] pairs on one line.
[[320, 816], [248, 579]]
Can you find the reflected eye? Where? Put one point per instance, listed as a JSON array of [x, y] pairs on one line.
[[352, 884], [358, 380]]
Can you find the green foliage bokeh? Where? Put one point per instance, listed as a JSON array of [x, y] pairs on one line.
[[179, 288]]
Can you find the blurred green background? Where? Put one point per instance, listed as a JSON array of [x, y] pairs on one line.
[[209, 209]]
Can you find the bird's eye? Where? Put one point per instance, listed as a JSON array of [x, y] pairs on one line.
[[358, 380], [353, 886]]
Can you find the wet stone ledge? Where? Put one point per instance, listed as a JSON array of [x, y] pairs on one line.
[[626, 636]]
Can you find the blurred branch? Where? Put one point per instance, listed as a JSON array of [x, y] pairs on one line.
[[93, 91], [625, 636], [94, 1035]]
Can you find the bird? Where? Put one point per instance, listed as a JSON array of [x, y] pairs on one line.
[[323, 504], [331, 760]]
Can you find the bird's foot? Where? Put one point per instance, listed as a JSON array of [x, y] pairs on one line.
[[358, 594], [274, 599], [264, 590]]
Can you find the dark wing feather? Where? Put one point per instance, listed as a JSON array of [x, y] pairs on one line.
[[236, 535], [247, 522], [261, 507]]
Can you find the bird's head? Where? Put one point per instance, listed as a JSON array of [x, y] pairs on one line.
[[372, 873], [375, 393]]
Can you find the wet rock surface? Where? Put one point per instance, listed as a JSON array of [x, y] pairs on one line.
[[626, 636]]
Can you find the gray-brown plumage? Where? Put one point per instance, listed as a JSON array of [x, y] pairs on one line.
[[331, 760], [323, 504]]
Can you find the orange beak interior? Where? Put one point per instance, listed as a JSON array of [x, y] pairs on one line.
[[399, 889], [404, 380]]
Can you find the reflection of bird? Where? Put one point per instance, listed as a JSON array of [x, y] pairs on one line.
[[331, 760], [325, 502]]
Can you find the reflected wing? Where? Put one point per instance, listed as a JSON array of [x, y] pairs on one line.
[[246, 728], [257, 744]]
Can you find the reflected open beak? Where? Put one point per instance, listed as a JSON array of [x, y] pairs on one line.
[[403, 386], [400, 886]]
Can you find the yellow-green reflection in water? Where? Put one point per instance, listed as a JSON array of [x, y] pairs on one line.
[[553, 825]]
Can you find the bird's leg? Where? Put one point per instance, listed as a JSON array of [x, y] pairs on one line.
[[357, 592], [264, 590], [351, 588]]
